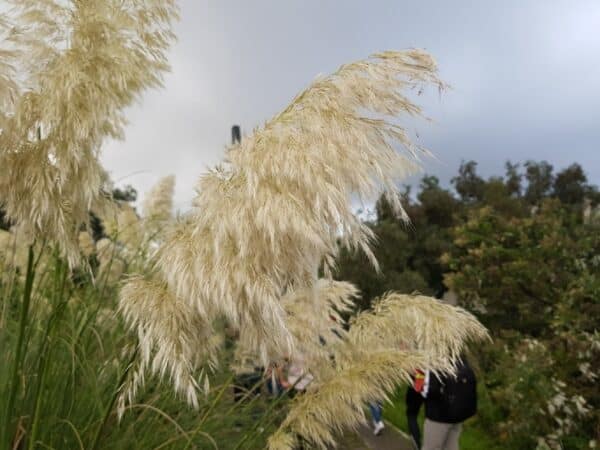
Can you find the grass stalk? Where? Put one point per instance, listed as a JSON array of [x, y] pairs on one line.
[[61, 301], [14, 378], [246, 402], [262, 421], [113, 400], [210, 409]]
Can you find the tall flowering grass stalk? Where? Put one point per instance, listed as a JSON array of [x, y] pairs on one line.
[[265, 222], [74, 358], [60, 300], [276, 209], [17, 363], [69, 70], [158, 207]]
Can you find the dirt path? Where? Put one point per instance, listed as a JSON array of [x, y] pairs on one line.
[[390, 439]]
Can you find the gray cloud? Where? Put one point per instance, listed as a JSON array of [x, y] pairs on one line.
[[525, 77]]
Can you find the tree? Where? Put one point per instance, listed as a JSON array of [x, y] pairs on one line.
[[126, 194], [513, 179], [408, 253], [533, 281], [384, 210], [570, 185], [496, 195], [468, 184], [495, 267], [539, 181], [438, 205]]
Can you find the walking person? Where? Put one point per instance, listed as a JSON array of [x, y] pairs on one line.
[[449, 401], [298, 376], [376, 414]]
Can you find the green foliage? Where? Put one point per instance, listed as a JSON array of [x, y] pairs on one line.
[[125, 194], [408, 253], [533, 280], [570, 185], [539, 181], [520, 251], [495, 266], [75, 357], [468, 184], [513, 179]]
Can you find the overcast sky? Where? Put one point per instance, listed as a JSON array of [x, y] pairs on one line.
[[525, 78]]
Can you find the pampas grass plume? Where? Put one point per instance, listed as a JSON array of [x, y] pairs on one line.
[[81, 64]]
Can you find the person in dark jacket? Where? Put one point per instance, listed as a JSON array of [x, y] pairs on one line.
[[449, 401]]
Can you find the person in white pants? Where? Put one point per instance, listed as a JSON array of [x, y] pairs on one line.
[[449, 400]]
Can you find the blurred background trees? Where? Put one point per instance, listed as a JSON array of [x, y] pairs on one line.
[[521, 251]]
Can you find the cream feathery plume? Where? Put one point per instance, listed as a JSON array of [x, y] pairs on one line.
[[275, 211], [108, 213], [111, 265], [416, 322], [338, 403], [125, 230], [86, 244], [8, 257], [282, 440], [13, 250], [9, 88], [86, 61], [5, 241], [265, 221], [7, 248], [174, 340], [384, 346], [105, 250], [129, 229], [314, 320], [158, 206]]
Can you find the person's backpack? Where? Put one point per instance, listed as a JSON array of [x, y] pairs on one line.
[[456, 397]]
